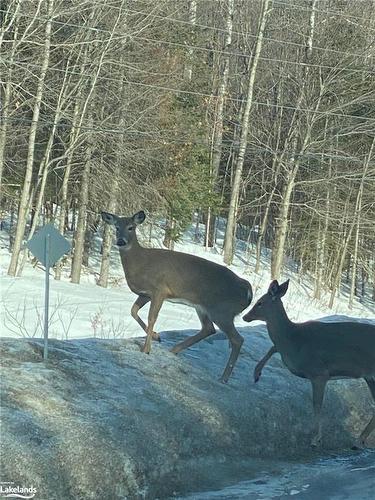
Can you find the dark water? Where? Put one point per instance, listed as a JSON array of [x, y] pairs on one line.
[[345, 477]]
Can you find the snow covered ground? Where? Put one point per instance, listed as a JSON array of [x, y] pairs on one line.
[[86, 310]]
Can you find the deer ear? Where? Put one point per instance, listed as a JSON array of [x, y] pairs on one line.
[[109, 218], [283, 288], [273, 289], [139, 217]]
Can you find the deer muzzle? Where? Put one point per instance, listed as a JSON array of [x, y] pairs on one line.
[[250, 316], [121, 242]]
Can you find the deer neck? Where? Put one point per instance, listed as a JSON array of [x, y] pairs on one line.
[[280, 328], [132, 256]]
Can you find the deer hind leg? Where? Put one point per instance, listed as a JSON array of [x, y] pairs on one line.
[[371, 425], [138, 304], [318, 388], [235, 340], [156, 303], [206, 330]]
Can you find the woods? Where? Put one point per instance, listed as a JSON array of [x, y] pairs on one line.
[[261, 114]]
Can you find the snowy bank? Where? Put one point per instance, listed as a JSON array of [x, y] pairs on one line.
[[103, 420]]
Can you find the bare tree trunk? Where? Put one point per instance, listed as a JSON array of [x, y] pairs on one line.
[[188, 72], [321, 250], [355, 218], [84, 194], [217, 140], [80, 107], [12, 225], [24, 201], [114, 191], [264, 223], [13, 17], [364, 277], [282, 225], [353, 282], [358, 223], [235, 193], [282, 220], [107, 234], [91, 228], [168, 240], [106, 253], [43, 173], [322, 234], [63, 197], [5, 99], [79, 236], [342, 231], [41, 184], [341, 260]]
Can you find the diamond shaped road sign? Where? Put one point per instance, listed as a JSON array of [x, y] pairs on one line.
[[57, 245]]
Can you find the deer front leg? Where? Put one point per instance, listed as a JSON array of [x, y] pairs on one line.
[[318, 388], [370, 427], [138, 304], [156, 303], [259, 367]]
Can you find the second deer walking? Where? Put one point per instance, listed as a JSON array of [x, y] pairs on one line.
[[156, 275], [317, 351]]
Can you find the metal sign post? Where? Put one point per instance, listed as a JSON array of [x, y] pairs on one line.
[[46, 297], [48, 245]]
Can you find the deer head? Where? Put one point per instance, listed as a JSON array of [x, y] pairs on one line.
[[125, 227], [262, 309]]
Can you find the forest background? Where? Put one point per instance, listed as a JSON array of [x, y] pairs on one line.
[[259, 113]]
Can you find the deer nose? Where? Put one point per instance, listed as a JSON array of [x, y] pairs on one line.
[[121, 242]]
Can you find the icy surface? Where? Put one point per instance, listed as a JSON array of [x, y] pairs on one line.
[[348, 477]]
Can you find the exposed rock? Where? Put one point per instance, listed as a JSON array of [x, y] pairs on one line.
[[101, 420]]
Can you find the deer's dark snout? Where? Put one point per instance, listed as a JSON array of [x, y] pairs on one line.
[[121, 242], [249, 316]]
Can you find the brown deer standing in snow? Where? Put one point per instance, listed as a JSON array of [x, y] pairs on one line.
[[317, 351], [156, 275]]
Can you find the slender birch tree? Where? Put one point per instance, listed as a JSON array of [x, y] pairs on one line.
[[23, 210], [217, 135], [236, 186]]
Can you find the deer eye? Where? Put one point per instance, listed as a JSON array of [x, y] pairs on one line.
[[130, 228], [259, 304]]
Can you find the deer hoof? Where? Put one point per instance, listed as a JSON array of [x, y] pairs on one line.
[[156, 336], [257, 376], [359, 444]]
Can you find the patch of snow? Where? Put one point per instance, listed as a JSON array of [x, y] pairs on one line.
[[86, 310]]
